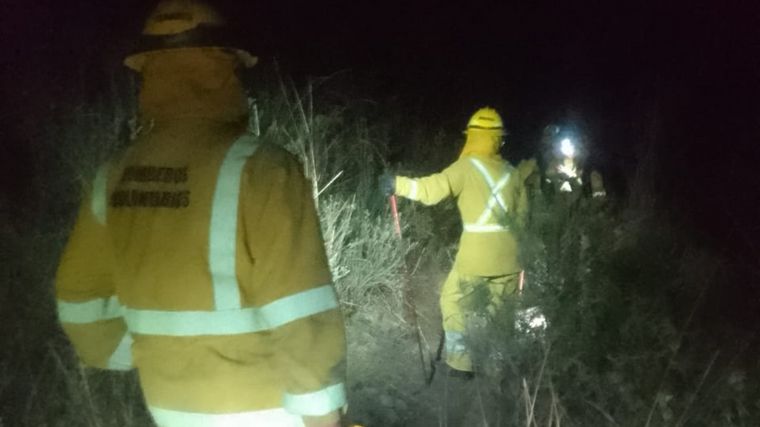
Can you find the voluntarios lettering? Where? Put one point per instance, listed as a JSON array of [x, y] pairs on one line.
[[150, 199]]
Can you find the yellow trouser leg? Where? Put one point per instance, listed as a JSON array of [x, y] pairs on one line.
[[456, 307], [453, 317], [501, 288]]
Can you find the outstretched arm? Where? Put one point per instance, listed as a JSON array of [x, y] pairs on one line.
[[432, 189]]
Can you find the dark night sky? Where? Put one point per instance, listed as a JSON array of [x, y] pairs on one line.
[[609, 62]]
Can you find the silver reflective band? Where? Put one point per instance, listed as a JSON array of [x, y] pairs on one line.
[[99, 196], [599, 194], [495, 187], [495, 198], [455, 342], [492, 228], [277, 417], [318, 403], [121, 359], [94, 310], [223, 224], [413, 191], [231, 322]]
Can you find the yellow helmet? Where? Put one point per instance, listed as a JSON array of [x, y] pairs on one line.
[[486, 119], [176, 24]]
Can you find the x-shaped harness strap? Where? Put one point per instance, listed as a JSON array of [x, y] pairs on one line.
[[494, 200]]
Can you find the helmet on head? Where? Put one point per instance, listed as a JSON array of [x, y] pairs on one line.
[[177, 24], [486, 119]]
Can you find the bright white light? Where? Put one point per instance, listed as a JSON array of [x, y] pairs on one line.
[[568, 169], [567, 148], [531, 320]]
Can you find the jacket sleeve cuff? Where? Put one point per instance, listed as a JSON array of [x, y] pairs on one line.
[[317, 403], [92, 314], [90, 311], [407, 187]]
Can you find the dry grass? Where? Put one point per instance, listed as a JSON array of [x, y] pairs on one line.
[[623, 347]]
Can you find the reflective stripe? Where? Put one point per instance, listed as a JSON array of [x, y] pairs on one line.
[[455, 342], [121, 359], [318, 403], [599, 194], [491, 228], [495, 198], [99, 196], [223, 225], [94, 310], [413, 191], [231, 322], [278, 417], [481, 225], [494, 187]]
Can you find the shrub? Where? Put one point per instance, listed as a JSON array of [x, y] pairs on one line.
[[619, 292]]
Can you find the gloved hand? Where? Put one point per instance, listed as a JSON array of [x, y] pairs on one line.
[[386, 182]]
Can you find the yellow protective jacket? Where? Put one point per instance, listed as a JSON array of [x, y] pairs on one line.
[[491, 203], [201, 244]]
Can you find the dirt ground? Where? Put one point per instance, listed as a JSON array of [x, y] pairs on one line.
[[387, 378]]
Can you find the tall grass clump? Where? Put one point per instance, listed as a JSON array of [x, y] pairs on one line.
[[342, 152], [621, 291]]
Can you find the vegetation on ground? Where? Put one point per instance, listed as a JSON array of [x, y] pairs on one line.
[[625, 290]]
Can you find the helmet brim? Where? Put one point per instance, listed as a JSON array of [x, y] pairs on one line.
[[136, 61], [495, 131], [202, 36]]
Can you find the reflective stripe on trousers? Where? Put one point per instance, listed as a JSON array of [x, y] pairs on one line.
[[455, 342], [266, 418]]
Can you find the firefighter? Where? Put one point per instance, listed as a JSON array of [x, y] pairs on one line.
[[197, 256], [564, 175], [491, 203]]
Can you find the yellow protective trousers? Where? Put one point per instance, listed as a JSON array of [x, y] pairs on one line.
[[464, 297]]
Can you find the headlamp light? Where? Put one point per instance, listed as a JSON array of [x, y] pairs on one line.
[[567, 148]]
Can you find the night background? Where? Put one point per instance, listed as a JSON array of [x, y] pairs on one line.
[[612, 65], [672, 83]]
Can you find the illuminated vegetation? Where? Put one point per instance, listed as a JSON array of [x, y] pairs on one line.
[[634, 339]]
